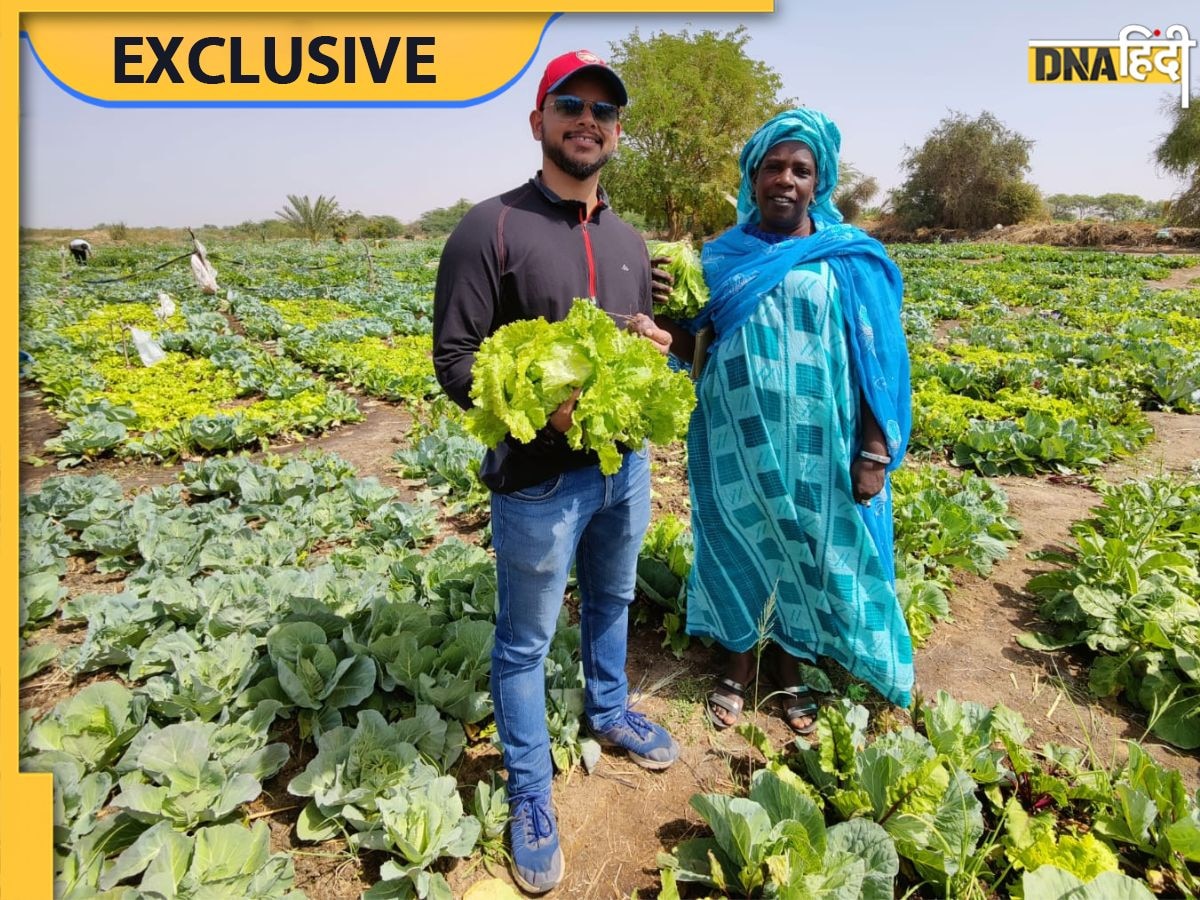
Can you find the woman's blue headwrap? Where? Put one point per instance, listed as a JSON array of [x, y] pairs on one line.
[[822, 137]]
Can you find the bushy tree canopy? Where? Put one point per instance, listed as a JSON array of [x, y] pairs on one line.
[[694, 100], [1112, 207], [1179, 153], [969, 173], [441, 221]]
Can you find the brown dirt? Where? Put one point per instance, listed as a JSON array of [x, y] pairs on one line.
[[1179, 279]]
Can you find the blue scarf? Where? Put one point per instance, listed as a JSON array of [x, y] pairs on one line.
[[741, 268]]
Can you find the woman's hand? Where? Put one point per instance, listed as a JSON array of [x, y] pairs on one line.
[[866, 479], [661, 281], [643, 325]]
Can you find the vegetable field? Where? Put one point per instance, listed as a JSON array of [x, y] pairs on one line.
[[257, 603]]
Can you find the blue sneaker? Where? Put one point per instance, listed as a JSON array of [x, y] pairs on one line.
[[537, 860], [649, 745]]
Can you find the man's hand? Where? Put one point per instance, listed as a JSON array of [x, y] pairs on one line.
[[562, 418], [866, 479], [661, 280], [643, 325]]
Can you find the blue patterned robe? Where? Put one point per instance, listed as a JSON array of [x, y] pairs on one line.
[[782, 549]]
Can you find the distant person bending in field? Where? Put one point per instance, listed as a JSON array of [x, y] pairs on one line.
[[803, 410], [528, 254], [81, 250]]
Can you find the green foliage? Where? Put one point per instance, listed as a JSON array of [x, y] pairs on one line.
[[662, 572], [374, 227], [1034, 841], [443, 220], [214, 390], [965, 805], [1112, 207], [318, 675], [969, 173], [1051, 355], [1179, 154], [447, 458], [694, 101], [219, 861], [189, 774], [526, 369], [943, 522], [1053, 883], [369, 630], [777, 836], [1128, 591], [93, 726], [357, 767], [689, 293]]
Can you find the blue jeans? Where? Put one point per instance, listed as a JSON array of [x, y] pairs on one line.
[[599, 522]]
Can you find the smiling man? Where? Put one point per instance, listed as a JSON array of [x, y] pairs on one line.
[[523, 255]]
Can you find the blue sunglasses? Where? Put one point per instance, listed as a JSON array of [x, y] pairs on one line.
[[571, 107]]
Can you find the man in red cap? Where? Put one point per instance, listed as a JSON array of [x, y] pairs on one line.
[[525, 254]]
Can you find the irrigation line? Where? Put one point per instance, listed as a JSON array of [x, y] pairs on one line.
[[141, 272]]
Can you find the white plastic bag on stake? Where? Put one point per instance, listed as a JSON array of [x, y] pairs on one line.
[[206, 275], [148, 349], [165, 308]]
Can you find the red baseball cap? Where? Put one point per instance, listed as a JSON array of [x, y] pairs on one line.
[[563, 67]]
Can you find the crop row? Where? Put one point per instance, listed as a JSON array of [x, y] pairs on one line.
[[232, 620]]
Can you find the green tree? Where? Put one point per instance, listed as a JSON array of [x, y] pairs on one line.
[[380, 227], [969, 173], [441, 221], [694, 100], [312, 218], [1179, 154], [1121, 207], [1069, 207]]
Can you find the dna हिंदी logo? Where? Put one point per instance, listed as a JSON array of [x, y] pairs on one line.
[[1139, 55]]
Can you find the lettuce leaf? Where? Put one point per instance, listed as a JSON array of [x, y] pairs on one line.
[[689, 293], [526, 369]]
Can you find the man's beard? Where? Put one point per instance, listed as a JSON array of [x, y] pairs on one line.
[[580, 171]]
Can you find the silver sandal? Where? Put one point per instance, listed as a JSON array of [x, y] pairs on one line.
[[730, 696]]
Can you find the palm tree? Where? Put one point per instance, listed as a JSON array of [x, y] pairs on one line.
[[854, 191], [313, 219]]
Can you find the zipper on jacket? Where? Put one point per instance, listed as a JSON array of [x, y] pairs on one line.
[[587, 246]]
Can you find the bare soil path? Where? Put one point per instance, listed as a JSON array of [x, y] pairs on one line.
[[1179, 279], [977, 657]]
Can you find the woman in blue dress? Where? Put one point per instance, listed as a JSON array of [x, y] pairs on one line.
[[804, 409]]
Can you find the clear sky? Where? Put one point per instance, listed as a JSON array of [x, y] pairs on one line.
[[886, 72]]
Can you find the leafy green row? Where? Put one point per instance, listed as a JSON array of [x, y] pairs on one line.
[[445, 456], [958, 806], [1035, 359], [1129, 590], [363, 350], [212, 391], [253, 594]]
